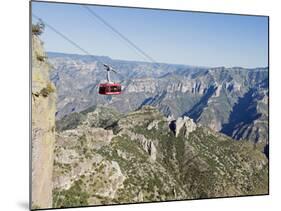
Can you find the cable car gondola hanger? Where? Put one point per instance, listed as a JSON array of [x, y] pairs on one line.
[[108, 88]]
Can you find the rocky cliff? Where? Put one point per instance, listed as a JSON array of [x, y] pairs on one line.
[[212, 97], [43, 127], [104, 157]]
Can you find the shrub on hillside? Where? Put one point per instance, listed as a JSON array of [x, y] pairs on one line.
[[38, 28], [47, 90], [41, 58]]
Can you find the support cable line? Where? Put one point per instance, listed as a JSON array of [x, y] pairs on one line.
[[138, 49], [109, 88], [123, 41], [70, 41], [65, 37], [120, 35]]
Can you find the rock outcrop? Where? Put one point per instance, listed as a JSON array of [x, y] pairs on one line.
[[146, 144], [43, 127], [186, 124], [141, 158], [207, 95], [78, 165]]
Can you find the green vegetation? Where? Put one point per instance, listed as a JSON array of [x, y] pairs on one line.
[[63, 168], [41, 58], [104, 117], [38, 28], [73, 197], [35, 207], [169, 145], [206, 164], [121, 143], [141, 175], [70, 121], [47, 90]]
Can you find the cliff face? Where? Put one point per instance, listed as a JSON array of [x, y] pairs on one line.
[[43, 127], [143, 156], [213, 97]]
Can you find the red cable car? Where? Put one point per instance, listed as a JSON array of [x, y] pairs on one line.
[[109, 88]]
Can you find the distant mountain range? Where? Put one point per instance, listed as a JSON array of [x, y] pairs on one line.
[[233, 101], [162, 138]]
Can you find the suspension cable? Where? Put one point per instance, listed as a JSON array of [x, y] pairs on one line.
[[70, 40], [66, 38], [142, 52]]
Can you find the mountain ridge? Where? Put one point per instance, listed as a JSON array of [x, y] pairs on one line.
[[175, 90], [52, 54], [140, 157]]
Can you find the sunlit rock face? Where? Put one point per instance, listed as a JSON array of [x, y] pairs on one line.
[[43, 127], [209, 96], [104, 157]]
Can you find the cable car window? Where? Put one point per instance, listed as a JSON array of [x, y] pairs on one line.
[[115, 89], [102, 89]]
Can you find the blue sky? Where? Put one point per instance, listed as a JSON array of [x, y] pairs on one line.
[[190, 38]]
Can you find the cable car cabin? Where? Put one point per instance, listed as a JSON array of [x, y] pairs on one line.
[[110, 89]]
